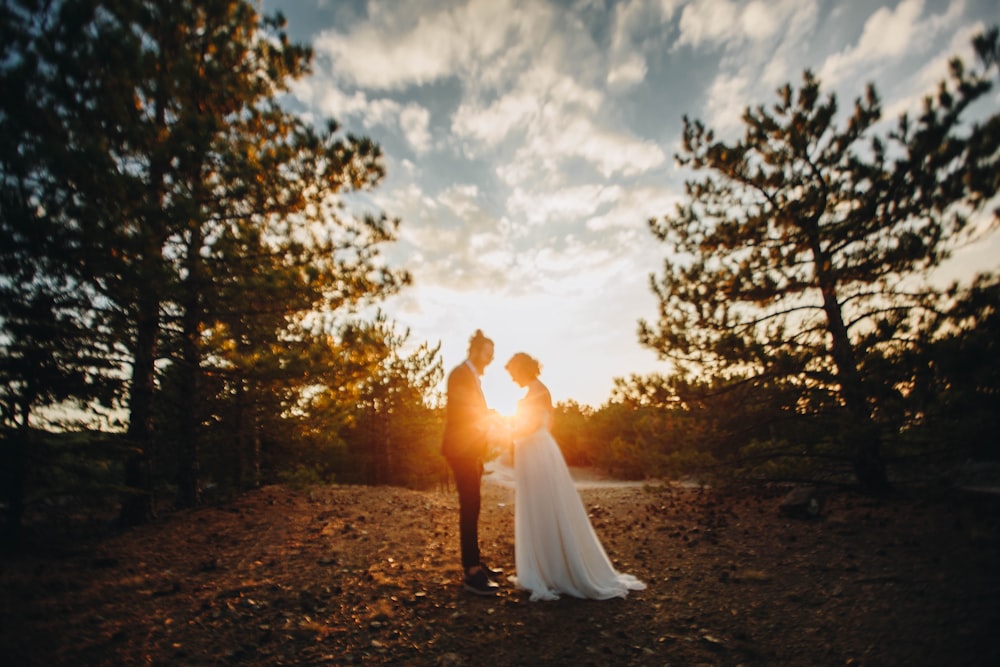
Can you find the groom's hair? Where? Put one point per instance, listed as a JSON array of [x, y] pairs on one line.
[[478, 340]]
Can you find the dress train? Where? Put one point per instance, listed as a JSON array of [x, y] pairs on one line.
[[555, 547]]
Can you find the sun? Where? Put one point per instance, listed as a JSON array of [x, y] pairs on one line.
[[540, 323], [501, 393], [505, 320]]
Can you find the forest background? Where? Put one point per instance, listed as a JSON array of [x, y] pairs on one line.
[[189, 299]]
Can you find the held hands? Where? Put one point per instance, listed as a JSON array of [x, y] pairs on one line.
[[499, 429], [507, 455], [500, 437]]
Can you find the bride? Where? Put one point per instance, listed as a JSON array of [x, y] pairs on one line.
[[555, 548]]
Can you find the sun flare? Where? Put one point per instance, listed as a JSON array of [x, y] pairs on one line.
[[503, 319], [501, 393]]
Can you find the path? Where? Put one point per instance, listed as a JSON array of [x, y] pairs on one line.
[[584, 478]]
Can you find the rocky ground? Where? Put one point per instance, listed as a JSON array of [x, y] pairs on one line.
[[358, 575]]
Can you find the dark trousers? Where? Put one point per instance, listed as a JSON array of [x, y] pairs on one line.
[[468, 474]]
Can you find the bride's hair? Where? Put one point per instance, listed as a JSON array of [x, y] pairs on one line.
[[524, 363]]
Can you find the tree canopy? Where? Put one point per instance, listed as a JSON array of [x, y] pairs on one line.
[[799, 257], [176, 243]]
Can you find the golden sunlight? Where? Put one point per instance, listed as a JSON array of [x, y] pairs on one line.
[[504, 320], [502, 394]]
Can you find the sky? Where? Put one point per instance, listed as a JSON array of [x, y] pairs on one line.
[[528, 142]]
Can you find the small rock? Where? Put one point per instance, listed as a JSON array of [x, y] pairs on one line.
[[804, 502]]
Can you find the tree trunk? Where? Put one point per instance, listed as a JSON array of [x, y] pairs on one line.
[[137, 504], [248, 440], [188, 491], [861, 436], [240, 438], [257, 452], [16, 472]]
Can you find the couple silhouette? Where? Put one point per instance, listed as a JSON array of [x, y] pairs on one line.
[[556, 550]]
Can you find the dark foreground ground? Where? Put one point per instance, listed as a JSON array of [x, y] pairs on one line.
[[355, 575]]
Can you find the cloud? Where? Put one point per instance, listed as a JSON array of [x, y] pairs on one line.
[[759, 20], [557, 140], [450, 240], [708, 21], [632, 207], [569, 203], [727, 99], [413, 120], [413, 44], [732, 23], [486, 127], [631, 70], [462, 201], [610, 151], [320, 95], [524, 71], [925, 80], [410, 119], [888, 36], [765, 45], [542, 93], [637, 27]]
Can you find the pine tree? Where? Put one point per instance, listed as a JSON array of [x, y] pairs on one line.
[[799, 242], [176, 165]]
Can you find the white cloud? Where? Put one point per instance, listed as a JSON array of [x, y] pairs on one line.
[[412, 44], [321, 95], [539, 93], [611, 152], [413, 120], [668, 7], [734, 25], [553, 101], [708, 21], [888, 35], [888, 32], [490, 125], [367, 59], [759, 20], [637, 27], [575, 202], [727, 99], [634, 206], [462, 200], [330, 101], [450, 240], [766, 47], [927, 78], [567, 91], [631, 70]]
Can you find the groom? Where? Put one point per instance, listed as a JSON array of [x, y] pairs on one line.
[[467, 422]]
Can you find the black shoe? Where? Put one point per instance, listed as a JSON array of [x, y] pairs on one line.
[[480, 584], [494, 574]]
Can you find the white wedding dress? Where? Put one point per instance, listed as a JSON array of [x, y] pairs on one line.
[[555, 548]]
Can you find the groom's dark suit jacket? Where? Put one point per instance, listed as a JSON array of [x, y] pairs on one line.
[[466, 416]]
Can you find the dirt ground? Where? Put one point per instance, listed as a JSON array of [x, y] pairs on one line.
[[358, 575]]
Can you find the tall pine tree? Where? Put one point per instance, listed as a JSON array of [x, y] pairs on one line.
[[177, 166], [790, 257]]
